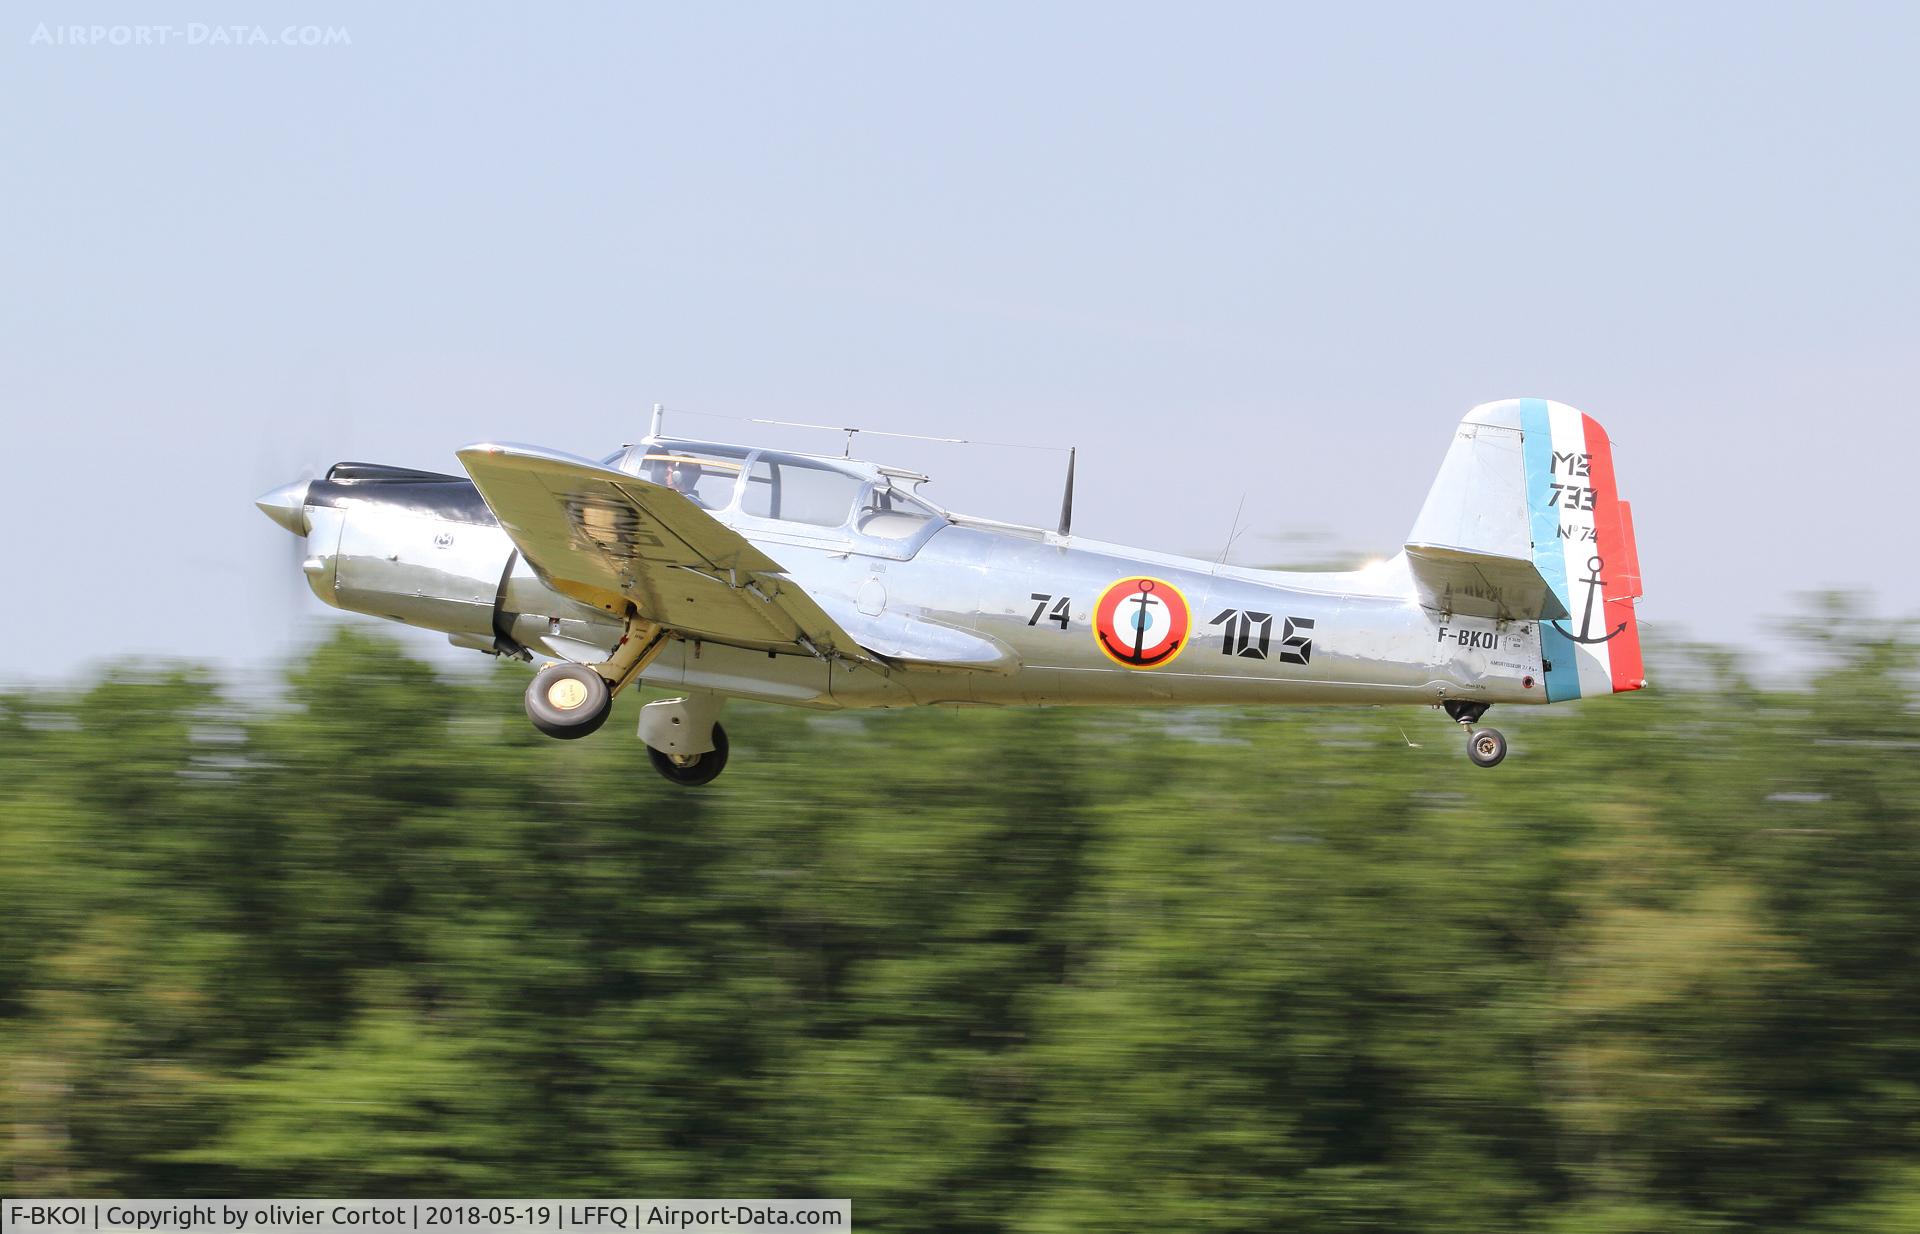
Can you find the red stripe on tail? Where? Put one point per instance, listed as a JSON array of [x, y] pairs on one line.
[[1613, 529]]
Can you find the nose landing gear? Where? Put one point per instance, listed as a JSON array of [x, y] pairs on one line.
[[1485, 746]]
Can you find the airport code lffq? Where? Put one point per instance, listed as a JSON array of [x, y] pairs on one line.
[[468, 1216]]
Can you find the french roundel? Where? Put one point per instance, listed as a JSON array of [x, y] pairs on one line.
[[1142, 622]]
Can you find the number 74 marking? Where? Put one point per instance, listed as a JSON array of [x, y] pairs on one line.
[[1059, 613]]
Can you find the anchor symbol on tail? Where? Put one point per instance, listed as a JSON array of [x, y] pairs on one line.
[[1594, 583]]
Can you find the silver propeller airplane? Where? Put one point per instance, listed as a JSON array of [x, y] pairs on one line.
[[724, 571]]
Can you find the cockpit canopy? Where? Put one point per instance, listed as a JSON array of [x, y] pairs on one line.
[[807, 495]]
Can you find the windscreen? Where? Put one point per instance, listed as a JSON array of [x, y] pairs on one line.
[[889, 513], [705, 478]]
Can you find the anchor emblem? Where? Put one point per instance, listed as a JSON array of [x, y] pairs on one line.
[[1142, 622], [1594, 583]]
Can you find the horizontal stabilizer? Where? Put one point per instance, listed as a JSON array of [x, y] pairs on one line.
[[1454, 581]]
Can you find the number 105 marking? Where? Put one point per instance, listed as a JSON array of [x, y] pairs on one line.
[[1248, 634]]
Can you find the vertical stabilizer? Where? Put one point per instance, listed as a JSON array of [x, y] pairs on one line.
[[1525, 521]]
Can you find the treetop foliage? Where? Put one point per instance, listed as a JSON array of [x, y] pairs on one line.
[[1028, 971]]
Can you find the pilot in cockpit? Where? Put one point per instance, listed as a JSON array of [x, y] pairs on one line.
[[682, 477]]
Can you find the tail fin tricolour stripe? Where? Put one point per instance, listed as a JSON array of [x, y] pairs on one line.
[[1583, 545]]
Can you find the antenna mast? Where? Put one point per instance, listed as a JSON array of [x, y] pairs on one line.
[[1066, 500]]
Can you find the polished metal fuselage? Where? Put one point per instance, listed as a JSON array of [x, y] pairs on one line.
[[1255, 636], [1366, 639]]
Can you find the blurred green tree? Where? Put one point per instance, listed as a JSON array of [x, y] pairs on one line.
[[981, 971]]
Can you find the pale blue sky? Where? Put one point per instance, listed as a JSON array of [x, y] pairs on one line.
[[1261, 249]]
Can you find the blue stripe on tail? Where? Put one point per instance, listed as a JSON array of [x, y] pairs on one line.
[[1536, 428]]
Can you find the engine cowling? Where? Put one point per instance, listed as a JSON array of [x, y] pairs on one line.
[[422, 548]]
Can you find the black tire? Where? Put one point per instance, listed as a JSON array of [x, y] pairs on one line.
[[701, 770], [1486, 747], [568, 701]]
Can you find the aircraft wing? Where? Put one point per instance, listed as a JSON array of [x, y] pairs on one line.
[[605, 538]]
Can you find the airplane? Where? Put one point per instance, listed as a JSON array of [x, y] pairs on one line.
[[728, 571]]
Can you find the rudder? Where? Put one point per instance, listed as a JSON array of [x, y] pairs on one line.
[[1583, 544]]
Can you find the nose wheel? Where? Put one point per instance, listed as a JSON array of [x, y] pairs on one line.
[[1485, 746], [568, 701]]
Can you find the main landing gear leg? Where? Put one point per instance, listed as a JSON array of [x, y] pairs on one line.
[[684, 739], [569, 700], [1485, 746]]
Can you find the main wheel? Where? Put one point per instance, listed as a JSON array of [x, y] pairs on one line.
[[1486, 747], [693, 770], [568, 701]]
